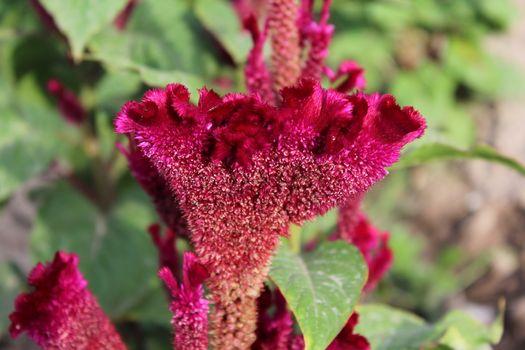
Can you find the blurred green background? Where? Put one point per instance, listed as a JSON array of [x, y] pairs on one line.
[[457, 226]]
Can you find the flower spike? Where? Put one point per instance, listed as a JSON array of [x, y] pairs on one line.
[[189, 308], [286, 51], [258, 79], [61, 313]]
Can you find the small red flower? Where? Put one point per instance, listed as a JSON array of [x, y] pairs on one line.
[[61, 313], [189, 308]]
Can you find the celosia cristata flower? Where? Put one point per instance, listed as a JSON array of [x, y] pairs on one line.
[[189, 308], [61, 313], [243, 169]]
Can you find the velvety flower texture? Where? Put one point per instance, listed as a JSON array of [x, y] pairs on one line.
[[189, 308], [68, 104], [243, 169], [61, 313]]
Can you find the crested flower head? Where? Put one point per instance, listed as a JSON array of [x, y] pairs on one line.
[[61, 313], [243, 169], [189, 308]]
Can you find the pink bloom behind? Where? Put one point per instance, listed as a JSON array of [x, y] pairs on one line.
[[347, 339], [258, 79], [189, 308], [61, 313], [152, 182], [68, 104], [352, 75], [166, 247], [122, 18], [354, 227], [318, 35], [274, 330], [286, 52]]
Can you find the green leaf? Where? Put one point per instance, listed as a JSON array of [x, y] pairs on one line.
[[431, 90], [32, 133], [220, 19], [438, 151], [388, 328], [163, 42], [9, 289], [79, 20], [116, 255], [321, 287]]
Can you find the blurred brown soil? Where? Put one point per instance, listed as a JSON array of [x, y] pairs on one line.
[[480, 206]]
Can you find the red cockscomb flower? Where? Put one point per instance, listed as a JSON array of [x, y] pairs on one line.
[[61, 313], [243, 169]]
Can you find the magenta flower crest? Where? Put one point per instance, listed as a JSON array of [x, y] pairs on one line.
[[242, 170], [61, 313]]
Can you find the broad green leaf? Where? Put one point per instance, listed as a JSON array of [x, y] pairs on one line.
[[163, 42], [219, 17], [461, 331], [438, 151], [321, 287], [116, 255], [388, 328], [79, 20], [115, 88], [31, 136]]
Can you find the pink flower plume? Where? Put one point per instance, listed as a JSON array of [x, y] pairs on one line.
[[61, 313]]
